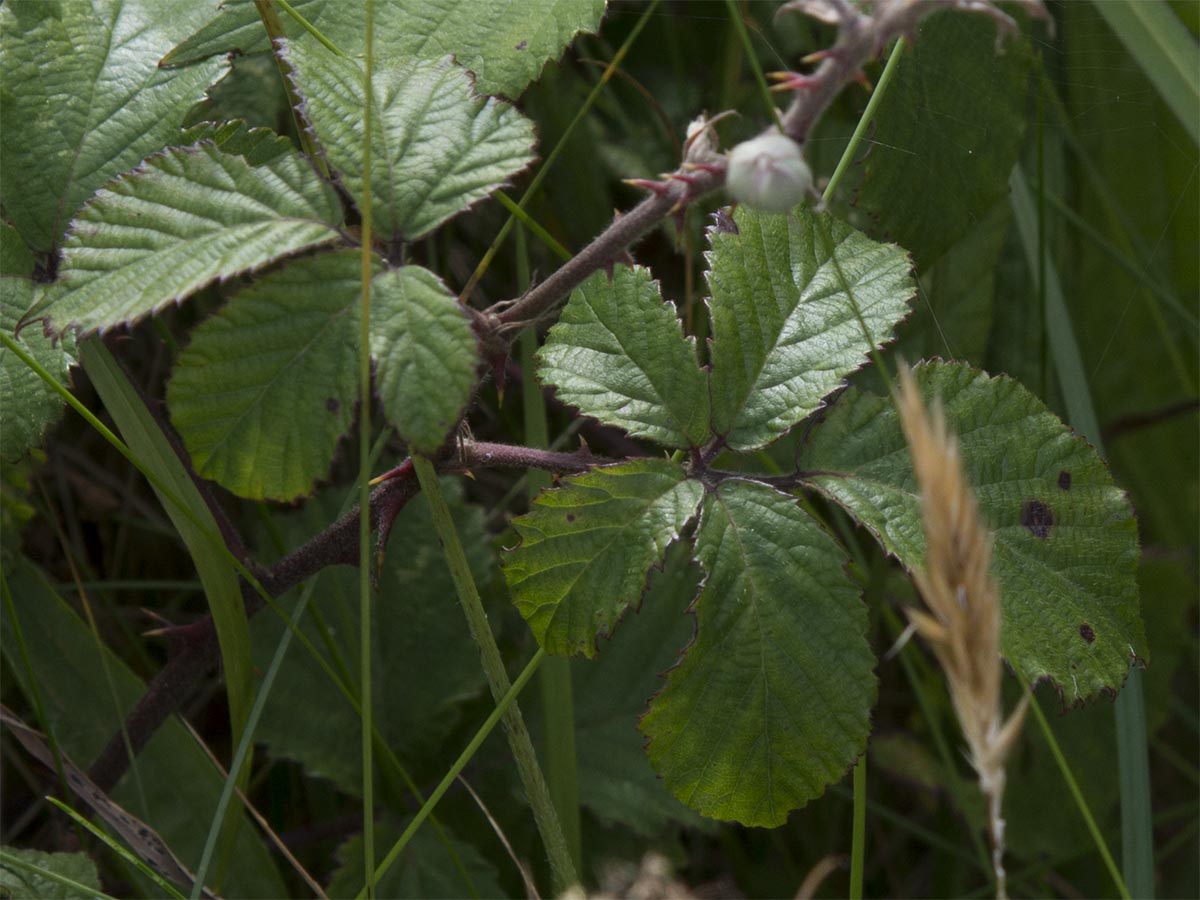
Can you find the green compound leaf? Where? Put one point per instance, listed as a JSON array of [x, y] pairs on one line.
[[619, 354], [267, 386], [771, 702], [183, 219], [586, 548], [18, 881], [82, 100], [435, 147], [504, 43], [28, 406], [784, 329], [425, 354], [1066, 546]]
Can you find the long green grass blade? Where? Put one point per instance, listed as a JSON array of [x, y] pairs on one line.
[[1163, 48], [465, 757], [1133, 761], [532, 779], [150, 445]]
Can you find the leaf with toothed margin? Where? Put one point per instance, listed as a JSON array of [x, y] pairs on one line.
[[771, 702], [1066, 548], [425, 354], [82, 99], [619, 354], [436, 148], [784, 329], [586, 548], [181, 220], [266, 388], [503, 43]]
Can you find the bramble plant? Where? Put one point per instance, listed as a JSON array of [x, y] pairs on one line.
[[741, 457]]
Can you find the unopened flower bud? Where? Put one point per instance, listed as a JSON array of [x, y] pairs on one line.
[[768, 173]]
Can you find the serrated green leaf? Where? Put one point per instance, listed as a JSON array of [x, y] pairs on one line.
[[183, 219], [1066, 541], [266, 387], [424, 352], [772, 700], [435, 147], [619, 354], [948, 135], [505, 44], [27, 405], [587, 546], [82, 100], [784, 329]]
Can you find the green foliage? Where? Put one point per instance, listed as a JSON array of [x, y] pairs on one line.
[[944, 143], [434, 867], [183, 219], [18, 881], [784, 326], [503, 44], [82, 99], [173, 783], [435, 148], [425, 355], [771, 701], [424, 664], [29, 406], [585, 549], [749, 654], [618, 352], [266, 388], [1066, 542]]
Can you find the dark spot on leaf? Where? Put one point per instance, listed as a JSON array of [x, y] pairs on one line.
[[333, 405], [1064, 480], [1038, 518], [1086, 632], [522, 45], [570, 517]]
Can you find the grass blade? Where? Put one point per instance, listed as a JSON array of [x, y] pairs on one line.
[[1164, 49]]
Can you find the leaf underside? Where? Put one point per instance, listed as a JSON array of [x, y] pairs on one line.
[[1066, 548], [771, 702], [586, 549], [784, 328], [619, 354]]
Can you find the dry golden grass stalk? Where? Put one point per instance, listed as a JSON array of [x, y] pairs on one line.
[[963, 623]]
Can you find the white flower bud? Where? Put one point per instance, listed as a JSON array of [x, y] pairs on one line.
[[768, 173]]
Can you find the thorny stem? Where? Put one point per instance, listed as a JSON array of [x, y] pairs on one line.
[[860, 38], [194, 646]]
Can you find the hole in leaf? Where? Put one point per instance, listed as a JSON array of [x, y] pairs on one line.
[[1038, 518], [333, 405], [1064, 480], [1087, 633]]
